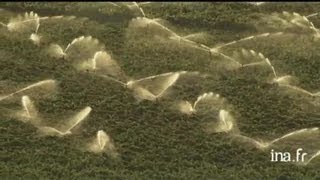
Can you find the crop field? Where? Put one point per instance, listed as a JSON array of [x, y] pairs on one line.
[[179, 90]]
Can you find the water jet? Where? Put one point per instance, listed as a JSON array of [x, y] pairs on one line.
[[31, 112], [217, 48], [154, 27], [48, 85]]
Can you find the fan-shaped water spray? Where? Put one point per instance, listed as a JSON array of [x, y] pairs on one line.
[[290, 138], [67, 127], [288, 82], [150, 88], [102, 63], [82, 39], [288, 22], [29, 22], [153, 87], [242, 59], [81, 48], [35, 39], [247, 58], [186, 107], [225, 123], [56, 51], [204, 103], [102, 139], [154, 27], [306, 138], [31, 19], [102, 143]]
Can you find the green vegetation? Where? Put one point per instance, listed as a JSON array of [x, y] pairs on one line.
[[154, 141]]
